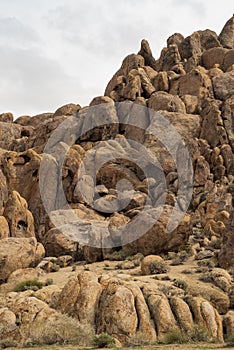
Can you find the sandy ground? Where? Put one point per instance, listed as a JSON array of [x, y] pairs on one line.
[[155, 347]]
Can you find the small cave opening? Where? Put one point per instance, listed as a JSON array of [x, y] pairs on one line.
[[21, 225]]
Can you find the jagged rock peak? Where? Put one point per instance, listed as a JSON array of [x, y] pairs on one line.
[[146, 52], [226, 36]]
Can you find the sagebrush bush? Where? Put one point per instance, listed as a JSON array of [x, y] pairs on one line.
[[230, 340], [199, 334], [119, 255], [158, 267], [181, 284], [62, 330], [175, 336], [8, 343], [207, 262], [33, 284], [103, 340]]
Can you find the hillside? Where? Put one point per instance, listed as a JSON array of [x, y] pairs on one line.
[[118, 217]]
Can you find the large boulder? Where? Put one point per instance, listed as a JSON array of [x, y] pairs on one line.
[[117, 314], [226, 36], [164, 101], [4, 228], [17, 253], [157, 240], [3, 191], [226, 256], [80, 297], [19, 218], [8, 133], [223, 85], [37, 323]]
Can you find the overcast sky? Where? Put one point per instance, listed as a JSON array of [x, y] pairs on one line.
[[54, 52]]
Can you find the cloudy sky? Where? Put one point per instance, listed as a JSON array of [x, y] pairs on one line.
[[54, 52]]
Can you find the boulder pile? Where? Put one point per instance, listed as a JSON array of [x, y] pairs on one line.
[[191, 88]]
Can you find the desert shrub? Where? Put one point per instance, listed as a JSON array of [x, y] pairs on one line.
[[185, 248], [49, 282], [181, 284], [199, 334], [230, 340], [33, 284], [8, 343], [187, 272], [171, 255], [175, 336], [207, 262], [157, 267], [119, 255], [136, 259], [206, 277], [62, 330], [103, 340], [138, 340]]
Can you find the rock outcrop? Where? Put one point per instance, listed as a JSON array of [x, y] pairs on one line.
[[144, 173]]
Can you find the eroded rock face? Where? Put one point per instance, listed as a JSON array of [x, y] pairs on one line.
[[191, 87], [19, 218], [226, 256]]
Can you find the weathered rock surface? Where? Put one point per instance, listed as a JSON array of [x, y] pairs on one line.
[[16, 253], [121, 177]]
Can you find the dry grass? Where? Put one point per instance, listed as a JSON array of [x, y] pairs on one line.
[[205, 346]]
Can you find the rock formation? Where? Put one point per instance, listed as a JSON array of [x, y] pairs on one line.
[[191, 88]]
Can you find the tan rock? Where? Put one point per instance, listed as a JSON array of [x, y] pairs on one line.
[[226, 256], [153, 241], [68, 109], [3, 191], [191, 103], [212, 320], [8, 133], [68, 297], [214, 56], [116, 312], [48, 294], [162, 314], [149, 264], [164, 101], [129, 63], [195, 83], [190, 46], [223, 85], [217, 298], [20, 219], [22, 275], [6, 117], [146, 327], [38, 323], [228, 322], [4, 228], [202, 172], [18, 253], [146, 52], [7, 323], [226, 36], [161, 82], [80, 297], [182, 313], [212, 126], [56, 243]]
